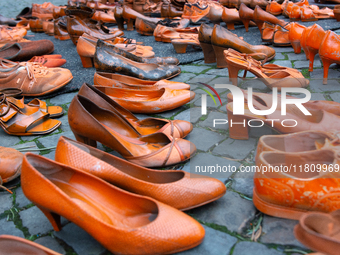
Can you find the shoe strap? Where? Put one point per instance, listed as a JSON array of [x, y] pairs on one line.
[[170, 149]]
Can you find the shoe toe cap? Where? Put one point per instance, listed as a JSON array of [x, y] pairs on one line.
[[187, 148], [183, 127]]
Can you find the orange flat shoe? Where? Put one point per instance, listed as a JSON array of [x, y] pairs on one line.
[[173, 128], [128, 82], [91, 123], [11, 245], [148, 101], [299, 187], [319, 231], [124, 223], [162, 185], [294, 36], [328, 47]]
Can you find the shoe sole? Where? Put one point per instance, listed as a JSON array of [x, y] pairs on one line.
[[52, 90], [276, 210], [204, 203]]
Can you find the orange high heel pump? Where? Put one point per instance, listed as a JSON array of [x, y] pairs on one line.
[[313, 41]]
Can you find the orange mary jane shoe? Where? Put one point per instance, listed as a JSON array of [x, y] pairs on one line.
[[162, 185], [124, 223], [291, 184]]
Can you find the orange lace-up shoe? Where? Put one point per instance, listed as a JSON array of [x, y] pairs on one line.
[[123, 222], [291, 184], [162, 185]]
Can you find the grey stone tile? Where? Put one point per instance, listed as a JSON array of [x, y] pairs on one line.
[[210, 102], [282, 49], [194, 69], [20, 198], [8, 140], [317, 86], [8, 228], [215, 243], [236, 149], [300, 57], [248, 74], [209, 122], [252, 248], [243, 182], [257, 132], [50, 141], [192, 115], [205, 78], [79, 240], [69, 134], [63, 99], [219, 72], [278, 56], [205, 139], [35, 221], [5, 201], [65, 127], [318, 74], [50, 155], [201, 62], [205, 163], [50, 243], [285, 63], [335, 97], [141, 116], [257, 85], [279, 231], [184, 77], [317, 96], [169, 114], [230, 211], [305, 64], [220, 80]]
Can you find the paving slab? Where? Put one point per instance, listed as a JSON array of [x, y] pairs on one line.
[[230, 211], [35, 221], [305, 64], [20, 199], [216, 121], [235, 149], [299, 57], [194, 69], [193, 114], [6, 201], [243, 182], [286, 63], [205, 78], [251, 248], [218, 72], [81, 242], [63, 99], [317, 86], [215, 243], [184, 77], [8, 228], [205, 139], [50, 243]]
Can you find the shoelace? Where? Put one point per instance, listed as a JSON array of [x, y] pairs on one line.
[[34, 68], [168, 23]]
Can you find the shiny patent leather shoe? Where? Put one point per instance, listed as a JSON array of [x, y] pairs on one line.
[[163, 185], [123, 222], [173, 128], [91, 123], [109, 58]]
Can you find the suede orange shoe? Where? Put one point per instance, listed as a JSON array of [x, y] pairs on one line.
[[291, 184], [11, 245], [162, 185], [124, 223], [294, 36]]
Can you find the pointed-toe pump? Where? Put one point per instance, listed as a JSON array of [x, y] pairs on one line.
[[204, 37], [246, 15], [173, 128], [123, 222], [91, 123], [163, 185], [313, 41], [303, 40], [261, 16], [294, 36], [329, 52], [222, 39]]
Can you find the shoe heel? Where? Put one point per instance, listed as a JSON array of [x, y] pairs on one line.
[[238, 128], [259, 24], [130, 23], [233, 74], [220, 59], [208, 52], [120, 23], [311, 52], [246, 24], [85, 140], [326, 63], [87, 62], [74, 39], [52, 217], [180, 48], [230, 26], [296, 46]]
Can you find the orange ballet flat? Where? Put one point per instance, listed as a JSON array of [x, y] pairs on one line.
[[124, 223]]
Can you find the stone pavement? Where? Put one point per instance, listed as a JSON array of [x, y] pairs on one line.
[[232, 223]]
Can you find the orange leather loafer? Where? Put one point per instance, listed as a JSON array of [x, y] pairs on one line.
[[11, 245], [91, 123], [173, 128], [162, 185], [124, 223], [291, 184]]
